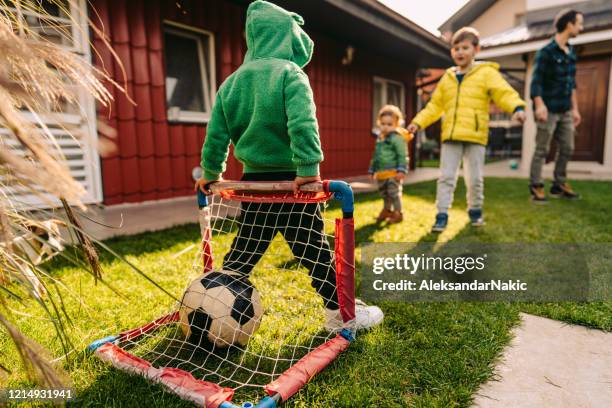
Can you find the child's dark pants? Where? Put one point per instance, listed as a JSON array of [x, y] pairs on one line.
[[300, 224]]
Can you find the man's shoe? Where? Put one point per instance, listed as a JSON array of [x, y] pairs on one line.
[[476, 217], [563, 191], [537, 193], [384, 214], [365, 317], [396, 217], [441, 222]]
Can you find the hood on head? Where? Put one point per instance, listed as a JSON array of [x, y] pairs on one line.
[[273, 32]]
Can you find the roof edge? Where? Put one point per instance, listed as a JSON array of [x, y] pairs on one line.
[[531, 45], [408, 29], [378, 6], [466, 14]]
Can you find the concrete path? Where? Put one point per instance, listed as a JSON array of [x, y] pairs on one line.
[[552, 364], [129, 219], [575, 171], [158, 215]]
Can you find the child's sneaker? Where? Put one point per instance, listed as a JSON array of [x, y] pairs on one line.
[[441, 222], [476, 217], [365, 317], [537, 193], [396, 217], [563, 191], [384, 214]]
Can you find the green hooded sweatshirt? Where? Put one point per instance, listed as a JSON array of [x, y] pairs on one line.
[[266, 107]]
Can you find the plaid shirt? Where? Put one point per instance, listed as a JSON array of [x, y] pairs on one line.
[[554, 76]]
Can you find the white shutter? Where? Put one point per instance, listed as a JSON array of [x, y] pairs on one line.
[[75, 130]]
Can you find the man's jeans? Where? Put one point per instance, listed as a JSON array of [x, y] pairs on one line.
[[451, 154], [561, 127]]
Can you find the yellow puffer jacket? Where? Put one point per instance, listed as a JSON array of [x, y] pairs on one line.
[[465, 106]]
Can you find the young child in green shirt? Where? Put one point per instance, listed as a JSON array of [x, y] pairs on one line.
[[388, 164]]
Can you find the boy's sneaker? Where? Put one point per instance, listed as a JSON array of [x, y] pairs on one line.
[[365, 317], [563, 191], [476, 217], [537, 193], [441, 222]]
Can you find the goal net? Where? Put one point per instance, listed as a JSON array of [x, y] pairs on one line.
[[271, 267]]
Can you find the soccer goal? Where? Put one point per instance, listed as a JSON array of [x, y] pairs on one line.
[[250, 325]]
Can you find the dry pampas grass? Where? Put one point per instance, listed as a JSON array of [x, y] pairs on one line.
[[37, 78]]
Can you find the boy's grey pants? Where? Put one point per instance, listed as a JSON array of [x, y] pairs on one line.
[[391, 192], [561, 127], [473, 156]]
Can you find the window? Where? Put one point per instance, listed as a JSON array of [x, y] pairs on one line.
[[189, 73], [47, 19], [387, 92]]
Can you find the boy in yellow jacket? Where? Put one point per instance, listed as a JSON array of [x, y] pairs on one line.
[[463, 96]]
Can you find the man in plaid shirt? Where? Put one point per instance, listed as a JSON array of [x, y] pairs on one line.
[[553, 90]]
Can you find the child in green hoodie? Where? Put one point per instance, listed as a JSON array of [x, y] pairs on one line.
[[266, 110]]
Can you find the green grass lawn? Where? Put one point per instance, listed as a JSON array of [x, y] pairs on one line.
[[424, 355]]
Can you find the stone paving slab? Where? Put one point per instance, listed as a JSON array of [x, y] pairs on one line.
[[551, 364]]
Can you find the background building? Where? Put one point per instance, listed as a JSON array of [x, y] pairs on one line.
[[514, 30], [171, 56], [177, 53]]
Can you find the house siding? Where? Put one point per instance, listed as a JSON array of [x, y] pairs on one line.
[[154, 158]]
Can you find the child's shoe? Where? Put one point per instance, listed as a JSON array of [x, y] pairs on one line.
[[563, 191], [384, 214], [365, 317], [441, 222], [396, 217], [476, 217], [537, 193]]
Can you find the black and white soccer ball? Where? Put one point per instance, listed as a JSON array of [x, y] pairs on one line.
[[220, 307]]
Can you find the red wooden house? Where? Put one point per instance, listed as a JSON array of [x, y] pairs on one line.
[[365, 55], [175, 53]]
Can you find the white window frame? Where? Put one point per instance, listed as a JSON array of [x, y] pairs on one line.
[[384, 82], [83, 124], [182, 30]]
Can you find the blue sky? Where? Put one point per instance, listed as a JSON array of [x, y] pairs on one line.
[[429, 14]]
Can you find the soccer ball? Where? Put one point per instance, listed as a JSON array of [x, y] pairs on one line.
[[221, 307]]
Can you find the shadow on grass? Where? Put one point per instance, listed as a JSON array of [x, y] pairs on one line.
[[145, 243], [115, 388], [365, 233]]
